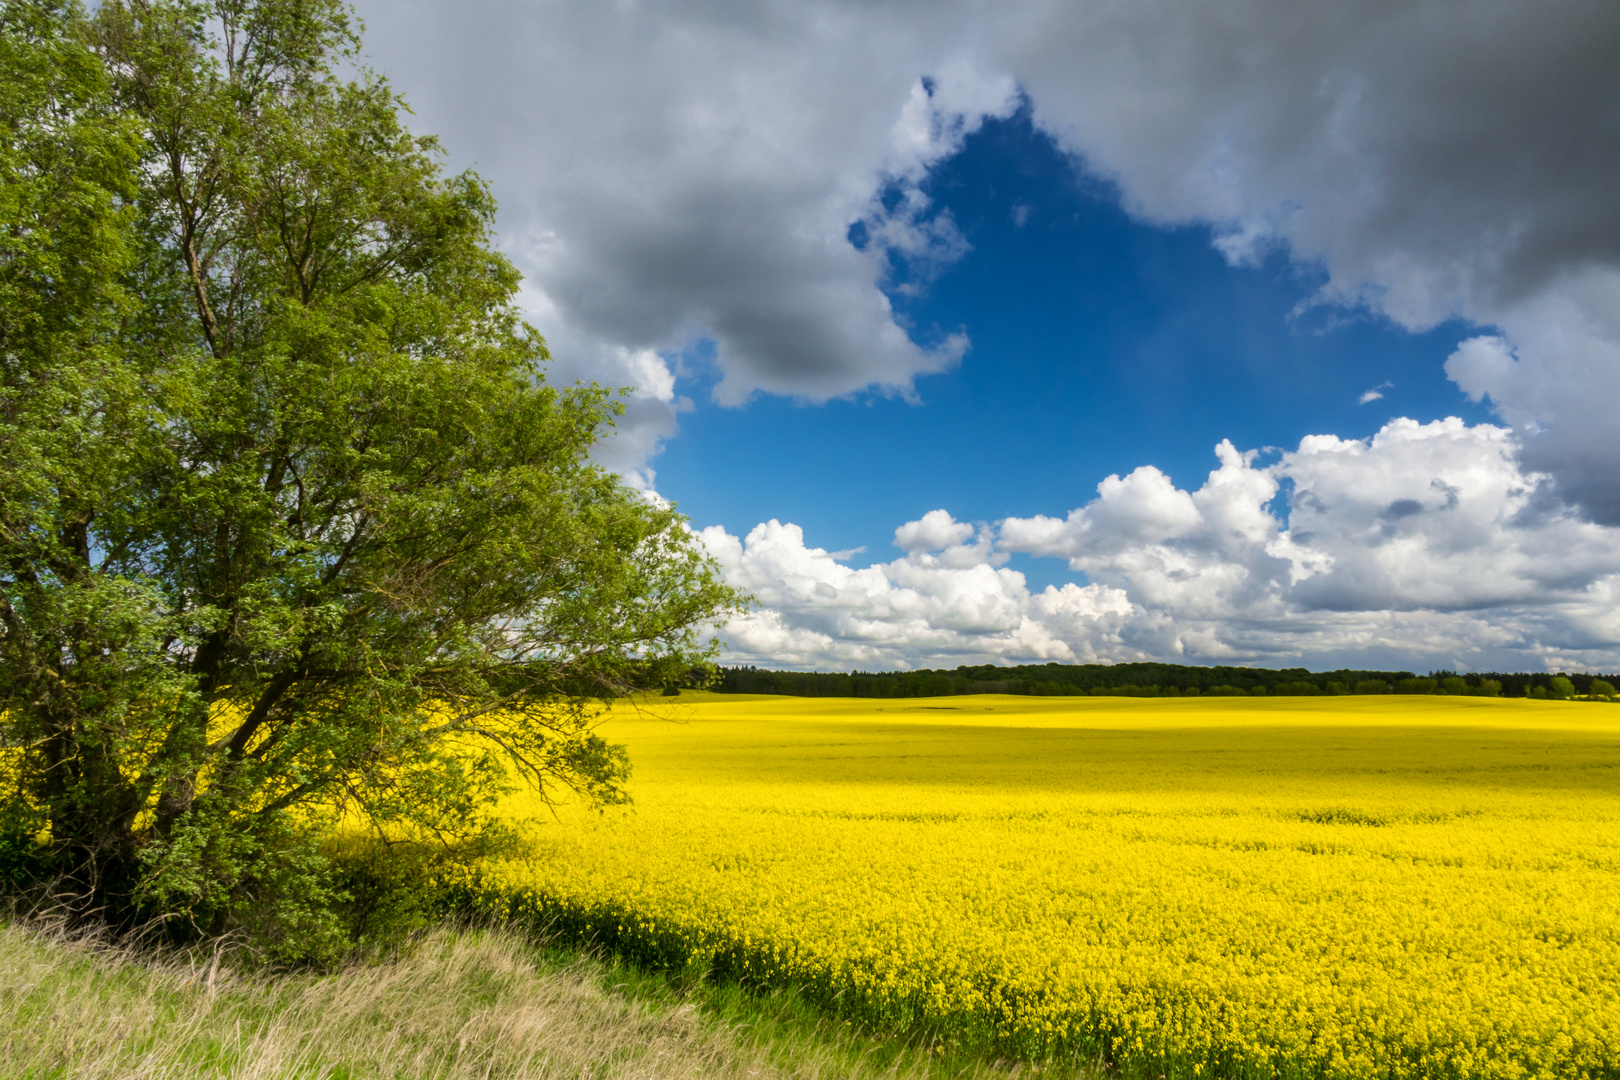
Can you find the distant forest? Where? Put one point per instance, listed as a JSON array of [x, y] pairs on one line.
[[1155, 680]]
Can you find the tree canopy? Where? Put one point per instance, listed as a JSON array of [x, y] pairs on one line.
[[294, 530], [1150, 679]]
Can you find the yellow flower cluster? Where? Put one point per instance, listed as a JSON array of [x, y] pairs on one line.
[[1339, 887]]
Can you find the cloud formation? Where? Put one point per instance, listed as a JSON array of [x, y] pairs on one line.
[[692, 170], [1438, 159], [949, 604], [685, 172], [1550, 374], [1426, 544]]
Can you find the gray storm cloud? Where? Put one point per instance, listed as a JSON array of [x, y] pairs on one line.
[[686, 171]]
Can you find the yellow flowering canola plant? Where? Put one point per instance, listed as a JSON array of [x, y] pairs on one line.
[[1294, 887]]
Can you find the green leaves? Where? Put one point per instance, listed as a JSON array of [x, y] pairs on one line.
[[295, 533]]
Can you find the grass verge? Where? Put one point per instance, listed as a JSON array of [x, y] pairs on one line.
[[456, 1003]]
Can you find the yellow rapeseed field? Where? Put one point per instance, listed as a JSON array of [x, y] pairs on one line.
[[1292, 887]]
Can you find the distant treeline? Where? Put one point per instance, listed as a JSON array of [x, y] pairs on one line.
[[1155, 680]]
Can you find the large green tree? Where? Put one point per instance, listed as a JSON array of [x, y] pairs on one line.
[[294, 530]]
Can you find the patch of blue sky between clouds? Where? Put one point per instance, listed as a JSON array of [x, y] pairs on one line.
[[1100, 343]]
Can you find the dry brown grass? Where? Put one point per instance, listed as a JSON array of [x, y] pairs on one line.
[[461, 1004]]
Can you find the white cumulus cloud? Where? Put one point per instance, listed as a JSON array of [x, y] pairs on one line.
[[1426, 545], [933, 531], [951, 603]]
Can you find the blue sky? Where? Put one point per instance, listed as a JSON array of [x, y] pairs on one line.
[[1099, 344], [1066, 314]]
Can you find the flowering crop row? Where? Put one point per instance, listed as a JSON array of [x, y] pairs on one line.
[[1322, 888]]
